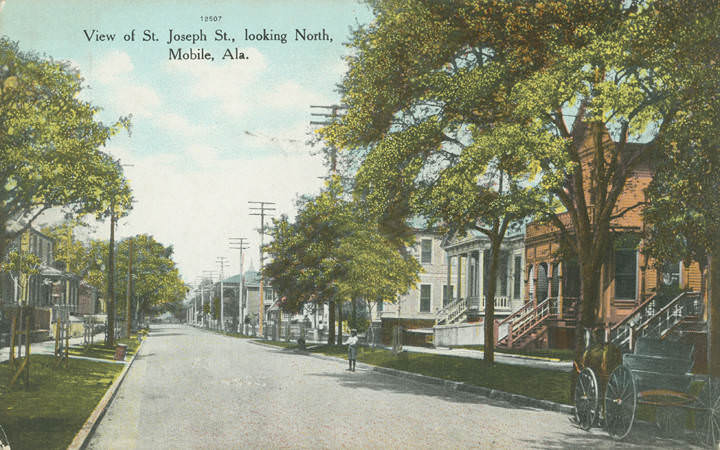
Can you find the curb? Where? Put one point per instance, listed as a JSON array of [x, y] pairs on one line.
[[86, 431], [450, 385]]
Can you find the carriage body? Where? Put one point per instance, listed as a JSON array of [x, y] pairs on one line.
[[657, 373]]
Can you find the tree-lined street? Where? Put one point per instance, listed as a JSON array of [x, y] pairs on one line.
[[194, 389]]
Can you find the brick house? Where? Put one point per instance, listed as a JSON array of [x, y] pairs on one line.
[[631, 285]]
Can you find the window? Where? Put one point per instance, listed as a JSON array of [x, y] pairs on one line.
[[426, 251], [625, 274], [425, 297], [671, 274], [380, 305], [447, 294], [503, 275], [517, 277]]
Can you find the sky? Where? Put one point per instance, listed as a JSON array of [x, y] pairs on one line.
[[207, 136]]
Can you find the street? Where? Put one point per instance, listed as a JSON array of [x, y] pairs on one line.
[[194, 389]]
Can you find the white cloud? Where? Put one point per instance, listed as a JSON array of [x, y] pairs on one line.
[[290, 95], [111, 67], [178, 124], [137, 99], [234, 85]]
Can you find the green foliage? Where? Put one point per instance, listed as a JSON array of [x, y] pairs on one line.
[[156, 279], [50, 144], [67, 248], [335, 252], [20, 263], [216, 308], [449, 101]]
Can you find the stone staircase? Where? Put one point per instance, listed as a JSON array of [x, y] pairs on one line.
[[681, 315]]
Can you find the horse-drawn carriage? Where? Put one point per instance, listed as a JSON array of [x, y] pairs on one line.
[[658, 374]]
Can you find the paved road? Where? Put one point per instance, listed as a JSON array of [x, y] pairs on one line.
[[193, 389]]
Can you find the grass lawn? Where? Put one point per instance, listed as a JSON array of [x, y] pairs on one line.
[[532, 382], [561, 354], [51, 411], [99, 350]]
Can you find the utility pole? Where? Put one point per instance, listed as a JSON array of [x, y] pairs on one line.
[[329, 115], [210, 274], [110, 342], [261, 211], [128, 309], [239, 244], [221, 260], [202, 301]]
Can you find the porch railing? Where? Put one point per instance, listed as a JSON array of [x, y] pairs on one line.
[[451, 312], [527, 318], [649, 319]]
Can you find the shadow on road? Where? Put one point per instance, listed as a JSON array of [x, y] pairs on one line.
[[643, 435], [381, 382], [154, 333]]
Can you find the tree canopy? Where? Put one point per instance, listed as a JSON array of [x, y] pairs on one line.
[[565, 84], [335, 252], [50, 144]]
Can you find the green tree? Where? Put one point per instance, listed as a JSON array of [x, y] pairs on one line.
[[683, 213], [427, 79], [156, 281], [50, 144], [332, 252]]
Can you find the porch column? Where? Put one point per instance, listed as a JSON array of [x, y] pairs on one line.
[[467, 275], [448, 299], [551, 274], [459, 281], [481, 277], [534, 281], [560, 289]]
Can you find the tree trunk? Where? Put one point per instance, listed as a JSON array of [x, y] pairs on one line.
[[331, 322], [354, 313], [339, 326], [489, 346], [713, 338]]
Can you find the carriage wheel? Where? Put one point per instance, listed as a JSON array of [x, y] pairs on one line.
[[586, 399], [620, 402], [707, 420], [670, 420]]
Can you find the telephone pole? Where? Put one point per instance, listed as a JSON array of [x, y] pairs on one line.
[[221, 260], [209, 274], [239, 244], [261, 211], [330, 115], [110, 304], [128, 309]]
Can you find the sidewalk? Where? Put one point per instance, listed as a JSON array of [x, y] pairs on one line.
[[504, 358], [47, 347]]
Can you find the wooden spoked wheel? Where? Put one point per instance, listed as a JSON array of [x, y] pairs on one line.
[[587, 401], [620, 402], [707, 418]]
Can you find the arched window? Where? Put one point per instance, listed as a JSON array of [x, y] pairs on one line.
[[542, 282]]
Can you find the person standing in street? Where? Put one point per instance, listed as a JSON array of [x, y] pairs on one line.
[[352, 349]]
